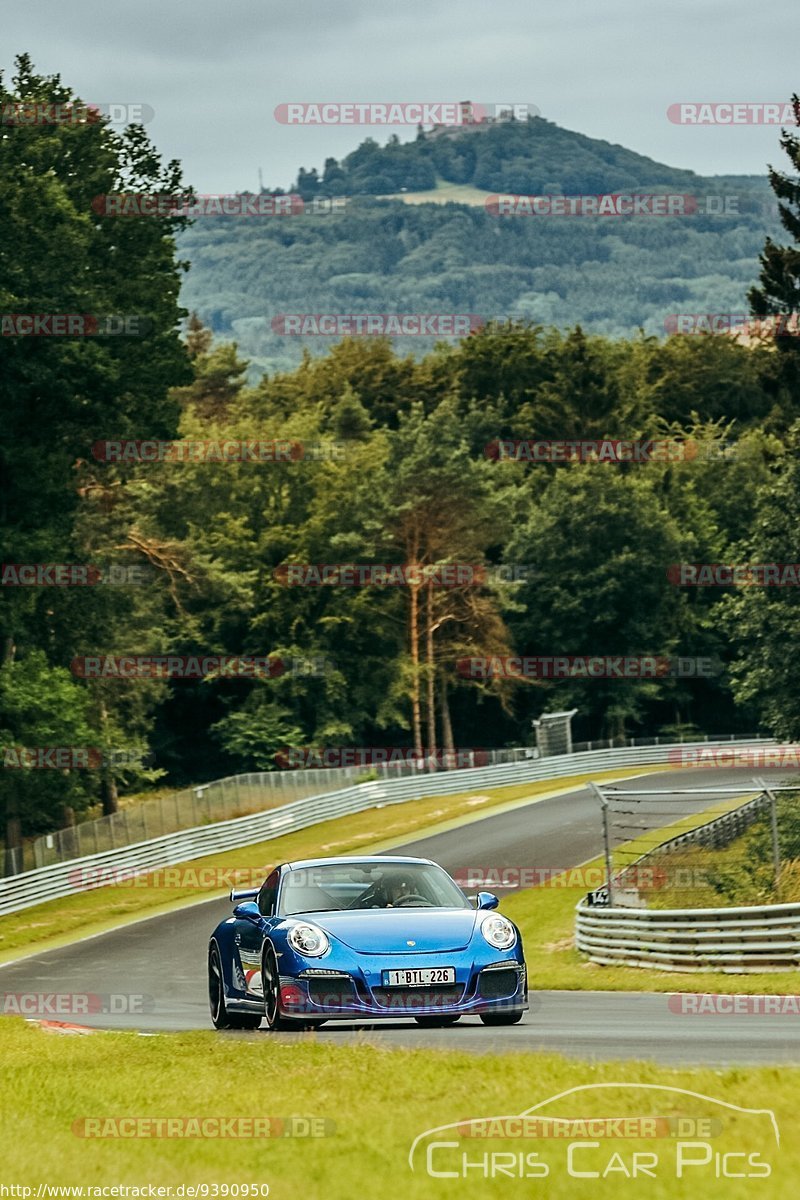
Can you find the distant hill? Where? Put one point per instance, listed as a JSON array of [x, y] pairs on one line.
[[414, 236], [529, 156]]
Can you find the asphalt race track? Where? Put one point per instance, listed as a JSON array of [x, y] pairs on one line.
[[163, 959]]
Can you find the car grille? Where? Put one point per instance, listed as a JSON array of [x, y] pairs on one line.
[[330, 991], [414, 999], [494, 984]]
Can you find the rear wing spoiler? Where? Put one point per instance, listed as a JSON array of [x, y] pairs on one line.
[[238, 894]]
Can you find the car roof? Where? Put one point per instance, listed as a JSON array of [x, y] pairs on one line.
[[355, 858]]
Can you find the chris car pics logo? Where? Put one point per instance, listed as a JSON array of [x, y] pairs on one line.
[[615, 1131]]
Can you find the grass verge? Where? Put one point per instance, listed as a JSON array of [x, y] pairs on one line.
[[376, 1102], [57, 922], [742, 872]]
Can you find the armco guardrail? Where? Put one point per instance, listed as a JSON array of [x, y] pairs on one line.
[[67, 878], [733, 940], [224, 799]]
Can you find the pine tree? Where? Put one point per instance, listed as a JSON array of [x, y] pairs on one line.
[[779, 293]]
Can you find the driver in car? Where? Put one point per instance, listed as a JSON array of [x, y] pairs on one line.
[[387, 892], [397, 887]]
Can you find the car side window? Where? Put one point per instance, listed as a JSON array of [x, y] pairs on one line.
[[268, 894]]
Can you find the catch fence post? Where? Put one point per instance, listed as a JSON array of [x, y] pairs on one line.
[[606, 841], [773, 820]]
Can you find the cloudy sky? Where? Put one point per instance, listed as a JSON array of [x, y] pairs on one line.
[[213, 72]]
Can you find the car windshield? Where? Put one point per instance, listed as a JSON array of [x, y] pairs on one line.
[[330, 887]]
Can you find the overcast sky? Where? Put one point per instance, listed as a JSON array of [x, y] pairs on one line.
[[214, 71]]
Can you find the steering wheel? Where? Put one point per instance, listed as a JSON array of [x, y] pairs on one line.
[[411, 898], [369, 899]]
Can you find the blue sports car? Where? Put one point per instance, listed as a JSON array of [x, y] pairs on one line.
[[359, 939]]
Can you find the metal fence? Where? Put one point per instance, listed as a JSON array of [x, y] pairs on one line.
[[67, 878], [238, 795], [716, 834], [731, 939], [632, 838], [224, 799]]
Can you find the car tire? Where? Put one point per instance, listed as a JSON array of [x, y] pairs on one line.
[[436, 1022], [272, 1015], [221, 1017], [512, 1017]]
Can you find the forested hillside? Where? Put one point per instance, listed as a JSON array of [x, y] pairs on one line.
[[614, 275]]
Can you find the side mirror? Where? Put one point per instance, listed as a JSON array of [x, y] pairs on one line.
[[249, 910], [487, 900]]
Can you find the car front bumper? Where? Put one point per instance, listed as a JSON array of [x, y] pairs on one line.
[[340, 995]]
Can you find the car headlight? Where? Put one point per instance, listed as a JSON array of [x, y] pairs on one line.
[[309, 940], [498, 932]]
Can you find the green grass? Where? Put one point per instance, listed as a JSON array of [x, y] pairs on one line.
[[741, 872], [59, 921], [378, 1100], [461, 193]]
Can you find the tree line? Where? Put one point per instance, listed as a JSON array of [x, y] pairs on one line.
[[380, 458]]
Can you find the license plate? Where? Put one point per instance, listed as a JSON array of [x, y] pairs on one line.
[[419, 977]]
